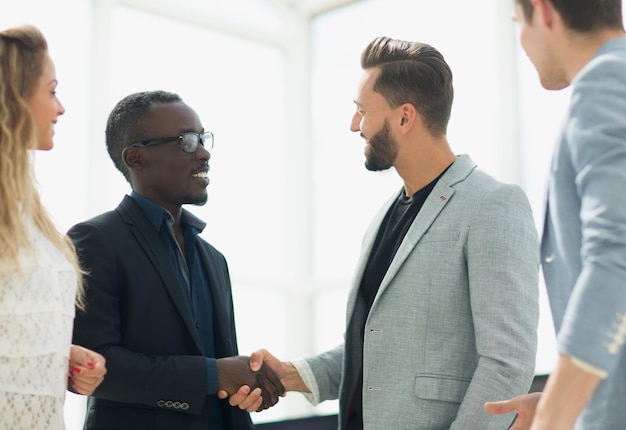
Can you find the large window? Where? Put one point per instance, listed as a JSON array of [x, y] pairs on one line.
[[289, 197]]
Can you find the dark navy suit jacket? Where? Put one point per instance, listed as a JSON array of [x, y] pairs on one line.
[[138, 318]]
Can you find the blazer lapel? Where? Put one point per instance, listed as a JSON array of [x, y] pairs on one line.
[[225, 345], [149, 240], [434, 204], [366, 250]]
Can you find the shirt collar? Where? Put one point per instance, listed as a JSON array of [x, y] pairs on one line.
[[156, 214]]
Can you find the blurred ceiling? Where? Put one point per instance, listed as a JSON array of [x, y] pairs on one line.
[[312, 7]]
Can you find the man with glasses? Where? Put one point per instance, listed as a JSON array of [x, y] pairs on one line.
[[159, 302]]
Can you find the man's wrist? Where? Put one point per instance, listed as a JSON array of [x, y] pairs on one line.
[[600, 373], [293, 381]]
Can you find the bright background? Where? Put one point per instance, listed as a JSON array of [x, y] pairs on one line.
[[274, 80]]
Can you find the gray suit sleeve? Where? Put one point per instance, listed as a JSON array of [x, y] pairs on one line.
[[503, 270], [327, 368], [594, 322]]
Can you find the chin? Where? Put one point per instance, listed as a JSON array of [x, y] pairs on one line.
[[47, 146], [198, 200], [45, 141], [553, 80], [554, 86]]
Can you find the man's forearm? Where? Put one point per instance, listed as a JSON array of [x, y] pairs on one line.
[[567, 391]]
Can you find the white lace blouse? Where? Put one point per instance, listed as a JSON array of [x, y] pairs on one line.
[[36, 317]]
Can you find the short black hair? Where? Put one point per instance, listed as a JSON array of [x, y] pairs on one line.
[[125, 123]]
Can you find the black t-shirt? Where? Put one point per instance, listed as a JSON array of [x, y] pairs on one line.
[[391, 233]]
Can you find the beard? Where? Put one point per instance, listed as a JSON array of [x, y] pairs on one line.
[[383, 150]]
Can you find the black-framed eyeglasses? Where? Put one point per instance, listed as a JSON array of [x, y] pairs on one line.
[[188, 142]]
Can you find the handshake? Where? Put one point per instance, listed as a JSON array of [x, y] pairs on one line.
[[241, 377]]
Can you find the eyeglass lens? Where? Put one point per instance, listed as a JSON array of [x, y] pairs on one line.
[[190, 141]]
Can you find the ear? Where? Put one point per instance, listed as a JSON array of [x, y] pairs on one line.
[[545, 12], [132, 158], [408, 117]]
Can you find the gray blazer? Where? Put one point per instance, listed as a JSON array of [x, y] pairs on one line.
[[454, 322], [584, 239]]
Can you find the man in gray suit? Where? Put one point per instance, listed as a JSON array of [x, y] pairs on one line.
[[443, 312], [581, 43]]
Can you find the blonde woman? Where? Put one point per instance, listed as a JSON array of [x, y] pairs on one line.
[[40, 281]]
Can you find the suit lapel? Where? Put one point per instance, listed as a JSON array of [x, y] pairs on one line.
[[434, 204], [225, 345], [367, 244], [150, 242]]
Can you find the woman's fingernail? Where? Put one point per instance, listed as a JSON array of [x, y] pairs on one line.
[[76, 369], [91, 365], [72, 383]]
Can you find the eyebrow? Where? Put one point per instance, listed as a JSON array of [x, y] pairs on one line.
[[189, 130]]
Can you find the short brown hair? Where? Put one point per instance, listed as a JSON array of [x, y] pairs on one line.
[[415, 73], [583, 15]]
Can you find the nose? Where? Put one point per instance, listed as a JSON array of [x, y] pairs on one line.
[[355, 125], [60, 108], [202, 153]]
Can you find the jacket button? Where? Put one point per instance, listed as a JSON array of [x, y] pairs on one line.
[[549, 258], [184, 406], [161, 403]]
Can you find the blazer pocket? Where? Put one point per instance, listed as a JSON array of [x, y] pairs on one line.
[[442, 388], [441, 236]]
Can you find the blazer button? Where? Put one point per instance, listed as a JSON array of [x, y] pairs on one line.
[[549, 258], [161, 403], [169, 404], [184, 406]]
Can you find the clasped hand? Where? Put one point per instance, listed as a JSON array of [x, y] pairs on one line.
[[235, 372], [86, 370]]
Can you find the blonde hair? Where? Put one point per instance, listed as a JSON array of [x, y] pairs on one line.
[[22, 50]]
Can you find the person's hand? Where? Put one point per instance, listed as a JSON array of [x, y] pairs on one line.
[[245, 399], [263, 357], [524, 405], [252, 400], [86, 370], [234, 375]]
